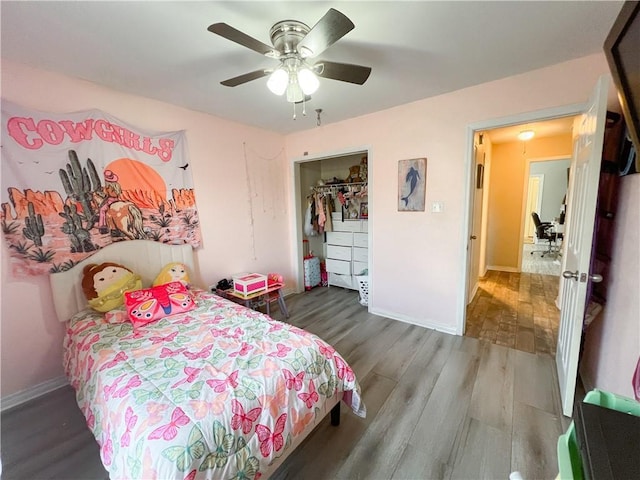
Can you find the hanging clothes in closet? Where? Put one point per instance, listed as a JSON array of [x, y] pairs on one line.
[[324, 199], [318, 214]]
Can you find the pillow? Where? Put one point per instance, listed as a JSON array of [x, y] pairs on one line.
[[151, 304], [117, 315], [104, 285], [172, 272]]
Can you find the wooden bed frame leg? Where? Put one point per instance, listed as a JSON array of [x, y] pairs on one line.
[[335, 415]]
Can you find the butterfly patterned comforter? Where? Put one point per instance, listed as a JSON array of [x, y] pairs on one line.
[[218, 392]]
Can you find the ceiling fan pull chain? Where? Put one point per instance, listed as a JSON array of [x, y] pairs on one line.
[[304, 107], [294, 110]]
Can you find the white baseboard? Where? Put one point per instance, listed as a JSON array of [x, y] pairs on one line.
[[450, 329], [36, 391], [502, 269]]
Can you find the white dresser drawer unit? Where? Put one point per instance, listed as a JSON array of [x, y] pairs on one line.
[[340, 238], [347, 250], [360, 239], [346, 225], [360, 254], [338, 266], [345, 281], [338, 252], [358, 267]]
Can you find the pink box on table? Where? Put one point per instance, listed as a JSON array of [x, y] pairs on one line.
[[249, 283]]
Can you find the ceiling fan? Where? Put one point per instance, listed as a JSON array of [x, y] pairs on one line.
[[294, 44]]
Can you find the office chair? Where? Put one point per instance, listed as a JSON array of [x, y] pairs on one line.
[[544, 232]]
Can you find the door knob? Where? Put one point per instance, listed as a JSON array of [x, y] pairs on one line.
[[473, 237], [595, 278]]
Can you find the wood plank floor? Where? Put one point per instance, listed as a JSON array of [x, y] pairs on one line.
[[516, 310], [438, 407]]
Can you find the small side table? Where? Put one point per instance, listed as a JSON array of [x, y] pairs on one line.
[[273, 293]]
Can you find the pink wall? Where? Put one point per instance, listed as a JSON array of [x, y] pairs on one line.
[[612, 341], [221, 154], [418, 258]]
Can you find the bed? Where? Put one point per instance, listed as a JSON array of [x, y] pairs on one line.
[[220, 391]]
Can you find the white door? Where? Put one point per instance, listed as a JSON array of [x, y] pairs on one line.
[[534, 204], [583, 193], [476, 223]]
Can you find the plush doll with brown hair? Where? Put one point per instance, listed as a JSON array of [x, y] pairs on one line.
[[104, 285]]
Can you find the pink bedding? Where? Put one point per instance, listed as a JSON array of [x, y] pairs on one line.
[[218, 392]]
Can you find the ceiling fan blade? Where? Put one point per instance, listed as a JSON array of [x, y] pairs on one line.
[[344, 72], [230, 33], [247, 77], [329, 29]]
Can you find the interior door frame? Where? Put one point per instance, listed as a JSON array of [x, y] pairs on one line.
[[527, 191], [469, 168]]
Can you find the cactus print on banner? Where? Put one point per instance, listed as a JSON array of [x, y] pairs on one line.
[[73, 183]]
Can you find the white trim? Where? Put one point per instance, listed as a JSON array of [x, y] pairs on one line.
[[405, 319], [463, 284], [499, 268], [31, 393], [527, 117], [525, 194]]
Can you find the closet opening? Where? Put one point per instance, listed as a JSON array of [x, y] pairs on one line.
[[332, 228]]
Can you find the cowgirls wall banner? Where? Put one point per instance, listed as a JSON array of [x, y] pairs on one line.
[[75, 182]]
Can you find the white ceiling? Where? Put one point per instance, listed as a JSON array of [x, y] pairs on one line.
[[546, 128], [162, 49]]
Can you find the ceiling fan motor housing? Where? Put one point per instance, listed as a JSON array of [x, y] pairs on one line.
[[294, 43], [286, 35]]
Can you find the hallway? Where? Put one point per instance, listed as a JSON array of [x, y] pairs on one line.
[[516, 310]]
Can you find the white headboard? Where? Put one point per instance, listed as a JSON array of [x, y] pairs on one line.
[[144, 257]]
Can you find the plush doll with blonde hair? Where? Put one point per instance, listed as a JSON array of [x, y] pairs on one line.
[[173, 272]]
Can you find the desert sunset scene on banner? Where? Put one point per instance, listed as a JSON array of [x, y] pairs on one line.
[[133, 175]]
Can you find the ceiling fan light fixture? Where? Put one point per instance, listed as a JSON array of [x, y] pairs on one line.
[[525, 135], [308, 81], [294, 92], [278, 81]]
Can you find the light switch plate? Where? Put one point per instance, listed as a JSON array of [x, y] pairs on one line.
[[437, 207]]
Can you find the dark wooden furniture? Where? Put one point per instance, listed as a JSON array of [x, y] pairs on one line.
[[609, 442]]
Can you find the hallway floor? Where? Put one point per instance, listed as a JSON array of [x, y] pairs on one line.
[[516, 310], [535, 263]]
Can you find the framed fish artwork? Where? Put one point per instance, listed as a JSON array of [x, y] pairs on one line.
[[412, 181]]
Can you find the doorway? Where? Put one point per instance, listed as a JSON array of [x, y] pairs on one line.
[[549, 180], [511, 307], [341, 179], [581, 201]]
